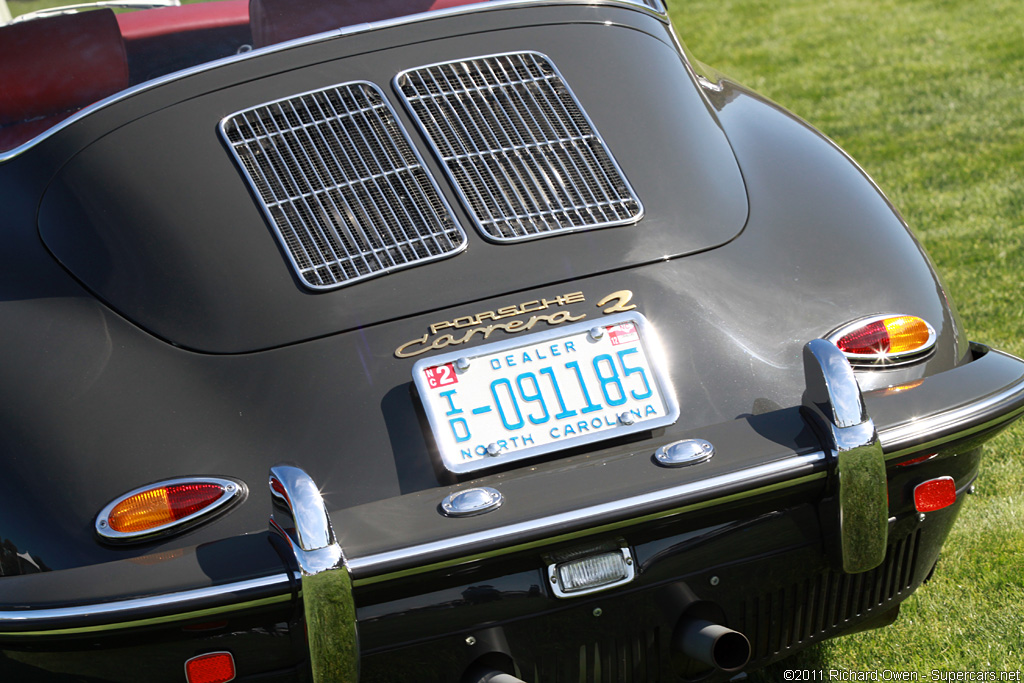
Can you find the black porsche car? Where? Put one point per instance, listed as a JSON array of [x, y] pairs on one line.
[[451, 341]]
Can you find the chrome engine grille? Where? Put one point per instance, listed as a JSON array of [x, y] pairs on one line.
[[341, 184], [526, 160]]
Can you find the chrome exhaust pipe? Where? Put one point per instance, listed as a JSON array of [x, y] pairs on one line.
[[713, 644]]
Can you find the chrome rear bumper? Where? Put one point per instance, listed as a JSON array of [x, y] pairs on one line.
[[968, 402]]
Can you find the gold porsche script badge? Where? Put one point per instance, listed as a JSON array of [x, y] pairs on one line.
[[461, 330]]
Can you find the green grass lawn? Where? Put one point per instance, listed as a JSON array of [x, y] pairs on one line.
[[928, 95], [19, 7]]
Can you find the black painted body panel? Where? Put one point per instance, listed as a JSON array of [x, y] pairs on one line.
[[156, 214], [93, 388]]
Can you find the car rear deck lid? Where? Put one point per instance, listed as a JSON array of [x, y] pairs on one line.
[[156, 212]]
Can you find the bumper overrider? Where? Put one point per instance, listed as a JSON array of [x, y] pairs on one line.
[[803, 525]]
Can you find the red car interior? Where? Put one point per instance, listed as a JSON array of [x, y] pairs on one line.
[[57, 65]]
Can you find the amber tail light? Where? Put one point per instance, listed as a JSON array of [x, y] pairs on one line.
[[884, 340], [167, 507]]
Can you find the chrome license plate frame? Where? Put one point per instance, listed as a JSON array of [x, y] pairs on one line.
[[546, 391]]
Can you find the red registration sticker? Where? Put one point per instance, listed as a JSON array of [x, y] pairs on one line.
[[441, 376], [623, 334]]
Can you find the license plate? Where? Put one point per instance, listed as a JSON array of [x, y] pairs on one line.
[[545, 392]]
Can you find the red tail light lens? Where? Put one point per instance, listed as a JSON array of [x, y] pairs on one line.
[[165, 507], [884, 339], [216, 667], [935, 494]]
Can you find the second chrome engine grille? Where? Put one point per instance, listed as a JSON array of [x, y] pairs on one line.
[[341, 184], [524, 157]]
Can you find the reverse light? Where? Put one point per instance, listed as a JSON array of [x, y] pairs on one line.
[[215, 667], [166, 507], [884, 340], [935, 494], [591, 573]]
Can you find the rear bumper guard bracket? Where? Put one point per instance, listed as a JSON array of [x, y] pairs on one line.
[[301, 518], [834, 403]]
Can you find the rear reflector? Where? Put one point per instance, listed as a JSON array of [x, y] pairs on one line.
[[884, 339], [215, 667], [935, 494], [917, 461], [166, 507]]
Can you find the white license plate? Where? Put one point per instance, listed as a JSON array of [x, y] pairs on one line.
[[543, 392]]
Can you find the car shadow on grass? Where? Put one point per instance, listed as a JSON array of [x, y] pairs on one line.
[[811, 659]]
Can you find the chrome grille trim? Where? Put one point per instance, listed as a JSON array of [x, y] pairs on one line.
[[341, 184], [526, 160]]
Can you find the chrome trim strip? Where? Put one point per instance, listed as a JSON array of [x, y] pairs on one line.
[[129, 613], [464, 544], [636, 5], [894, 442], [955, 423]]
